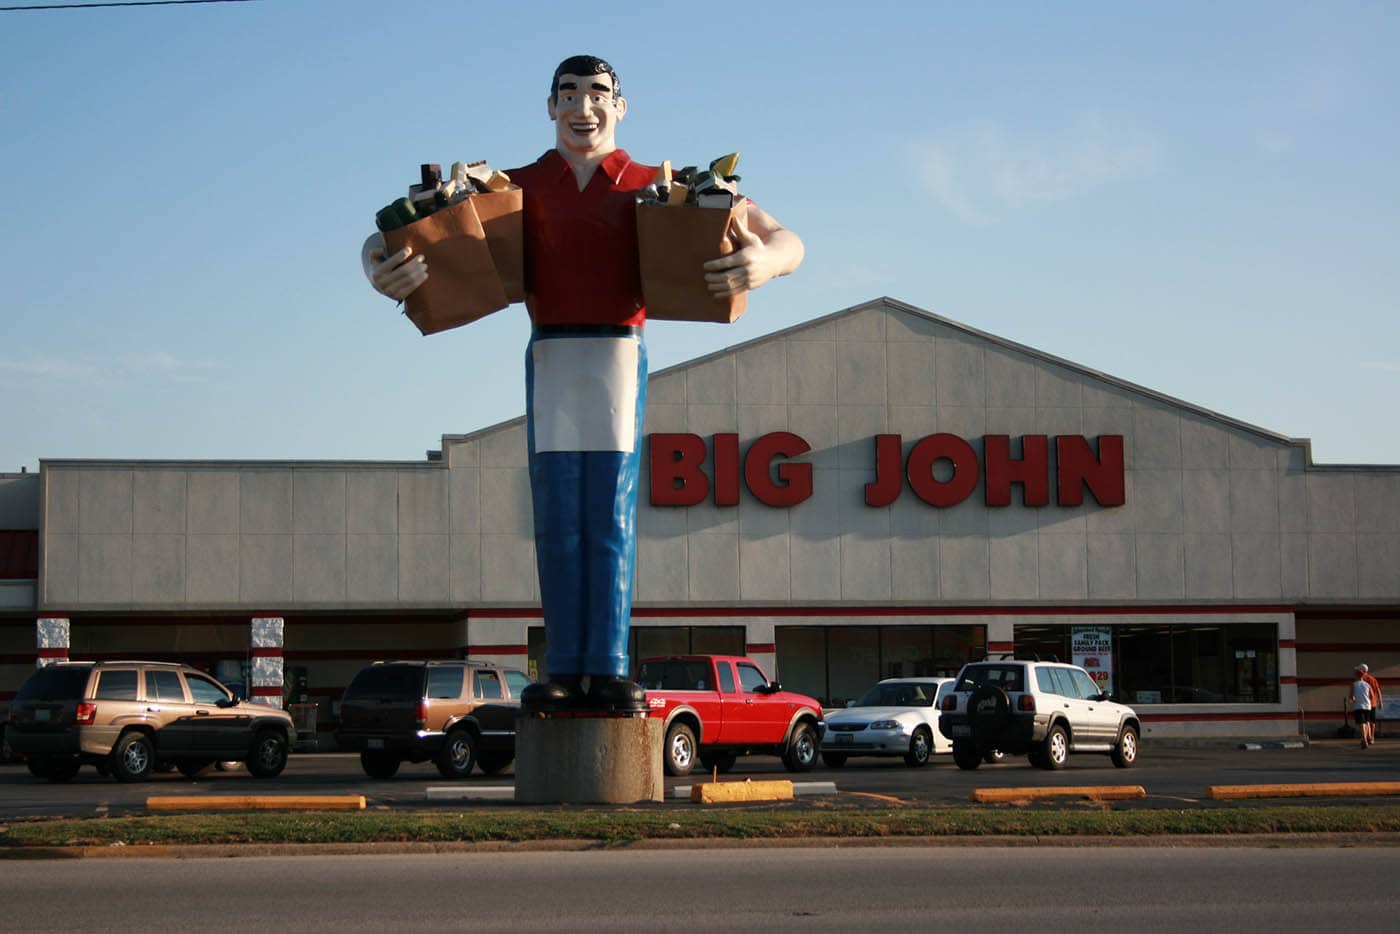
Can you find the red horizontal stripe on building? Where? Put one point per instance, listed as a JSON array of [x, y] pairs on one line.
[[1018, 610], [1288, 643], [53, 653], [265, 651], [267, 691], [1287, 679], [1330, 682], [1001, 646], [826, 610], [501, 649], [757, 648]]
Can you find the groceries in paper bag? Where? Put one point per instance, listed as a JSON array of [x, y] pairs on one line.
[[468, 230], [683, 221]]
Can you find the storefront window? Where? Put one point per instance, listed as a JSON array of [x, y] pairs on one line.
[[839, 663], [1175, 663]]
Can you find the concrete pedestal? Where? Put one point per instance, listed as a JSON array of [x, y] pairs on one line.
[[587, 760]]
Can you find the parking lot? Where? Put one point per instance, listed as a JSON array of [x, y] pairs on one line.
[[1173, 776]]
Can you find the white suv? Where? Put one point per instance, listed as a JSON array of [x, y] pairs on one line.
[[1042, 709]]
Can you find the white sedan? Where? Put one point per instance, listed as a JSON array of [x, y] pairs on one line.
[[897, 717]]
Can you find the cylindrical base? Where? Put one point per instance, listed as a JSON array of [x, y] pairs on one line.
[[587, 760]]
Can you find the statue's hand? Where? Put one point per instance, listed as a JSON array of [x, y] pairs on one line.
[[394, 276], [750, 265]]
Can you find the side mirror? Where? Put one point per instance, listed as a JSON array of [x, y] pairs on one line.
[[229, 702]]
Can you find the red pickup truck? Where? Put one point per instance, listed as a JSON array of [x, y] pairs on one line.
[[719, 707]]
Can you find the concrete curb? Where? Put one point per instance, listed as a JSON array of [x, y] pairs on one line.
[[1093, 792], [255, 803], [471, 793], [798, 788], [230, 850], [1303, 744], [1315, 790]]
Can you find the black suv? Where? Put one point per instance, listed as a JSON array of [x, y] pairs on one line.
[[459, 714]]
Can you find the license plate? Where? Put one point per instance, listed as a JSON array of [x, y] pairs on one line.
[[957, 730], [41, 715], [374, 744], [843, 738]]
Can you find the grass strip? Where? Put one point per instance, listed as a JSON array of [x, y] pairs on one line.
[[623, 826]]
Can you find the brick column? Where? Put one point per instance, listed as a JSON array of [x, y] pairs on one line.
[[266, 676], [51, 637]]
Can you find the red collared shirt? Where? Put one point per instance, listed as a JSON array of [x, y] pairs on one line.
[[581, 246]]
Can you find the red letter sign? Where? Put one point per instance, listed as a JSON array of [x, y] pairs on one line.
[[1032, 471], [947, 447], [888, 478], [1079, 468], [794, 482], [676, 475]]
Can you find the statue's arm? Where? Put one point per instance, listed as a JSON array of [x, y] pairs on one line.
[[396, 275], [764, 250]]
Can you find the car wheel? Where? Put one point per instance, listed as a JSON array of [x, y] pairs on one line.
[[1054, 752], [133, 758], [269, 756], [966, 755], [1125, 753], [993, 756], [920, 746], [491, 763], [720, 761], [678, 756], [192, 767], [379, 764], [834, 760], [801, 752], [458, 754]]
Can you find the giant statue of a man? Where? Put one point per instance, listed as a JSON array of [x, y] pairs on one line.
[[586, 373]]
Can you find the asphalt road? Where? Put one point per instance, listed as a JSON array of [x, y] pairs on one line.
[[1172, 776], [1142, 889]]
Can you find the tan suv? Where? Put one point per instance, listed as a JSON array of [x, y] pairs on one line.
[[126, 716], [459, 714]]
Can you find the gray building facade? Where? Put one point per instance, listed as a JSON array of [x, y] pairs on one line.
[[878, 491]]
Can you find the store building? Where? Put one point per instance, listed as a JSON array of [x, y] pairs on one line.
[[877, 492]]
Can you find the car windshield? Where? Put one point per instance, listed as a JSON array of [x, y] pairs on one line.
[[899, 695]]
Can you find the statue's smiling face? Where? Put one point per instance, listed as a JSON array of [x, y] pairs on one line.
[[586, 112]]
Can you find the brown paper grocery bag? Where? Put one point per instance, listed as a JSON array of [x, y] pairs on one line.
[[501, 215], [462, 283], [674, 243]]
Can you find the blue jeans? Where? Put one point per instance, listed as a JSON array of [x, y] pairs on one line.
[[585, 513]]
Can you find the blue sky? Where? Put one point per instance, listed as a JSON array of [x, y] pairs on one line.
[[1200, 198]]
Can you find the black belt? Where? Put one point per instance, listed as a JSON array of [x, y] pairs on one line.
[[611, 330]]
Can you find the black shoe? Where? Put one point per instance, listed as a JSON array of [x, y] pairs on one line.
[[615, 694], [559, 693]]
